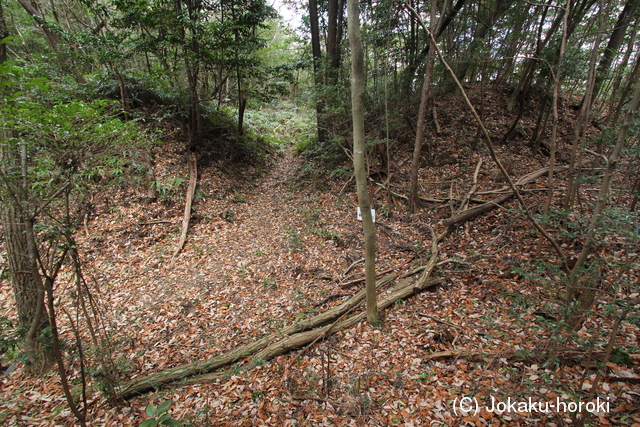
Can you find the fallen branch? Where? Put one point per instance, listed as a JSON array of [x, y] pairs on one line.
[[427, 199], [464, 204], [353, 265], [160, 221], [297, 335], [489, 142], [191, 190], [566, 356], [361, 279], [477, 210], [140, 385]]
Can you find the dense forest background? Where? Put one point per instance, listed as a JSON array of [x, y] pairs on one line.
[[180, 241]]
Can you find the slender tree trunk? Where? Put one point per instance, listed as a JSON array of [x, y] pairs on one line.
[[583, 117], [615, 41], [357, 108], [554, 129], [617, 81], [541, 124], [123, 90], [4, 33], [425, 97], [633, 78], [22, 259], [317, 57], [635, 193], [605, 186], [333, 52], [242, 102]]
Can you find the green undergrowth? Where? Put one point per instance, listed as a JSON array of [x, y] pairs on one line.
[[280, 123]]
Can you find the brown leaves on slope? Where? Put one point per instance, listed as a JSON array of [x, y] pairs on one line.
[[262, 252]]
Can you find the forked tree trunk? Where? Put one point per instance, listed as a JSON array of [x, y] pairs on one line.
[[32, 9], [357, 108]]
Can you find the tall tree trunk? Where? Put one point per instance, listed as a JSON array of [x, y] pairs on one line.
[[425, 97], [334, 15], [583, 118], [317, 66], [615, 41], [573, 290], [557, 81], [23, 266], [485, 25], [357, 108]]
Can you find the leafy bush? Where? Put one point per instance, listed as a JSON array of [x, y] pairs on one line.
[[158, 416]]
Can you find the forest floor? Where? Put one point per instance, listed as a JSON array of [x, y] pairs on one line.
[[267, 247]]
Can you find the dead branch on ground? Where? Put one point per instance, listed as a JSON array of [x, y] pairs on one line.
[[191, 190], [492, 204], [297, 335]]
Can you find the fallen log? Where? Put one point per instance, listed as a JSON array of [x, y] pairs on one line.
[[565, 356], [494, 203], [140, 385], [405, 289], [300, 333], [477, 210], [261, 350]]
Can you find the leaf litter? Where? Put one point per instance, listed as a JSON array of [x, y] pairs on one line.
[[264, 249]]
